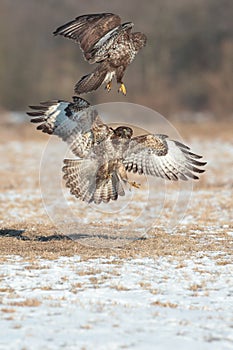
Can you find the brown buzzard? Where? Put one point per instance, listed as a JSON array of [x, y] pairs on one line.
[[103, 40], [107, 154]]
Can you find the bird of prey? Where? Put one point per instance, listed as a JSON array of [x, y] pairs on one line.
[[103, 40], [105, 155]]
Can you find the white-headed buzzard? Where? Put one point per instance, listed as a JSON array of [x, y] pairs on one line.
[[105, 155], [103, 40]]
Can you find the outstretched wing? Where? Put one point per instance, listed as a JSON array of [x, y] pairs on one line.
[[71, 121], [159, 156], [87, 30]]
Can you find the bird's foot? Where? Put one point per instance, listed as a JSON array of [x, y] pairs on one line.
[[108, 86], [122, 89], [134, 184]]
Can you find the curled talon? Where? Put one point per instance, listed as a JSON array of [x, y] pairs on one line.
[[108, 86], [134, 184], [122, 89]]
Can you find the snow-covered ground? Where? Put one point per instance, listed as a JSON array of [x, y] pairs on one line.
[[136, 300], [114, 304]]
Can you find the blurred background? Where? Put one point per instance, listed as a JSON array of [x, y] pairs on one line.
[[186, 66]]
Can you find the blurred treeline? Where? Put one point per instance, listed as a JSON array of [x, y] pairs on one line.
[[186, 65]]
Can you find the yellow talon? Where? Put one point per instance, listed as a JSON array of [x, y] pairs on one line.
[[109, 86], [122, 89], [134, 184]]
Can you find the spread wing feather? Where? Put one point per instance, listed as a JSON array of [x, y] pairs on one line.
[[71, 121], [81, 178], [87, 30], [159, 156]]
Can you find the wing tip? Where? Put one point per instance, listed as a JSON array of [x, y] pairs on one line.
[[55, 32]]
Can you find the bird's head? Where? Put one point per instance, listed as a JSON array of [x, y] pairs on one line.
[[101, 131], [139, 40], [123, 132]]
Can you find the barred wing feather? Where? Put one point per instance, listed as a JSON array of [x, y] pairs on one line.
[[157, 155]]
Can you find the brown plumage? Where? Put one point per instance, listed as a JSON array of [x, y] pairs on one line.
[[103, 40], [101, 176], [106, 155]]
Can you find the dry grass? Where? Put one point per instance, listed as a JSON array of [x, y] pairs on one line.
[[162, 304], [27, 302], [170, 245], [7, 310], [38, 238]]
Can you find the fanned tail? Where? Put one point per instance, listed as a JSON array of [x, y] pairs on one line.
[[108, 189]]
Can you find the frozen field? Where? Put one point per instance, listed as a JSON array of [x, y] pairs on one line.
[[113, 303], [113, 288]]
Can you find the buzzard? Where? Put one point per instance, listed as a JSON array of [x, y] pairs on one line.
[[103, 40], [105, 155]]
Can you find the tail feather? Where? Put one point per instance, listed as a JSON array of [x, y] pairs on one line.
[[91, 81], [110, 189], [105, 192], [117, 184]]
